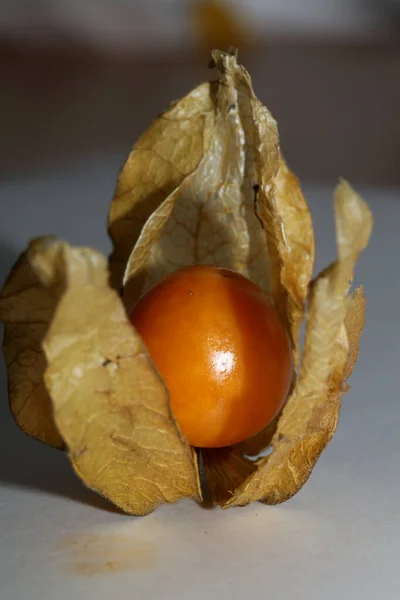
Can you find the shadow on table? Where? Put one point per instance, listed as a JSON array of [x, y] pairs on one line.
[[26, 463]]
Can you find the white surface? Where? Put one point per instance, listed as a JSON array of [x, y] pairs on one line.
[[338, 538]]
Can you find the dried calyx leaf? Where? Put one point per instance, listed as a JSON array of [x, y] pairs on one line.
[[166, 153], [241, 208], [287, 221], [110, 405], [334, 325], [27, 308], [225, 469]]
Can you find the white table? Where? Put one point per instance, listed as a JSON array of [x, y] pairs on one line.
[[339, 538]]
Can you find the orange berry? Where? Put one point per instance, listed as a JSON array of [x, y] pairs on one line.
[[220, 347]]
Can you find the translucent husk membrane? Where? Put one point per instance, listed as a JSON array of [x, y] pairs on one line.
[[206, 183]]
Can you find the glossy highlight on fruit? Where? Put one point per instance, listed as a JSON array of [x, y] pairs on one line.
[[221, 349]]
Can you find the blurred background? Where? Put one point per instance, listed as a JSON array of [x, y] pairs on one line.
[[83, 77], [80, 80]]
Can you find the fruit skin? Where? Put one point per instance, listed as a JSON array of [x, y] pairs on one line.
[[221, 349]]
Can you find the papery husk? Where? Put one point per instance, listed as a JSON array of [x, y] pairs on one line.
[[287, 221], [224, 469], [27, 308], [286, 217], [333, 329], [206, 183], [110, 405], [169, 150], [240, 209]]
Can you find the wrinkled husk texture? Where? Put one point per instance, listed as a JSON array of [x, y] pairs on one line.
[[206, 183]]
